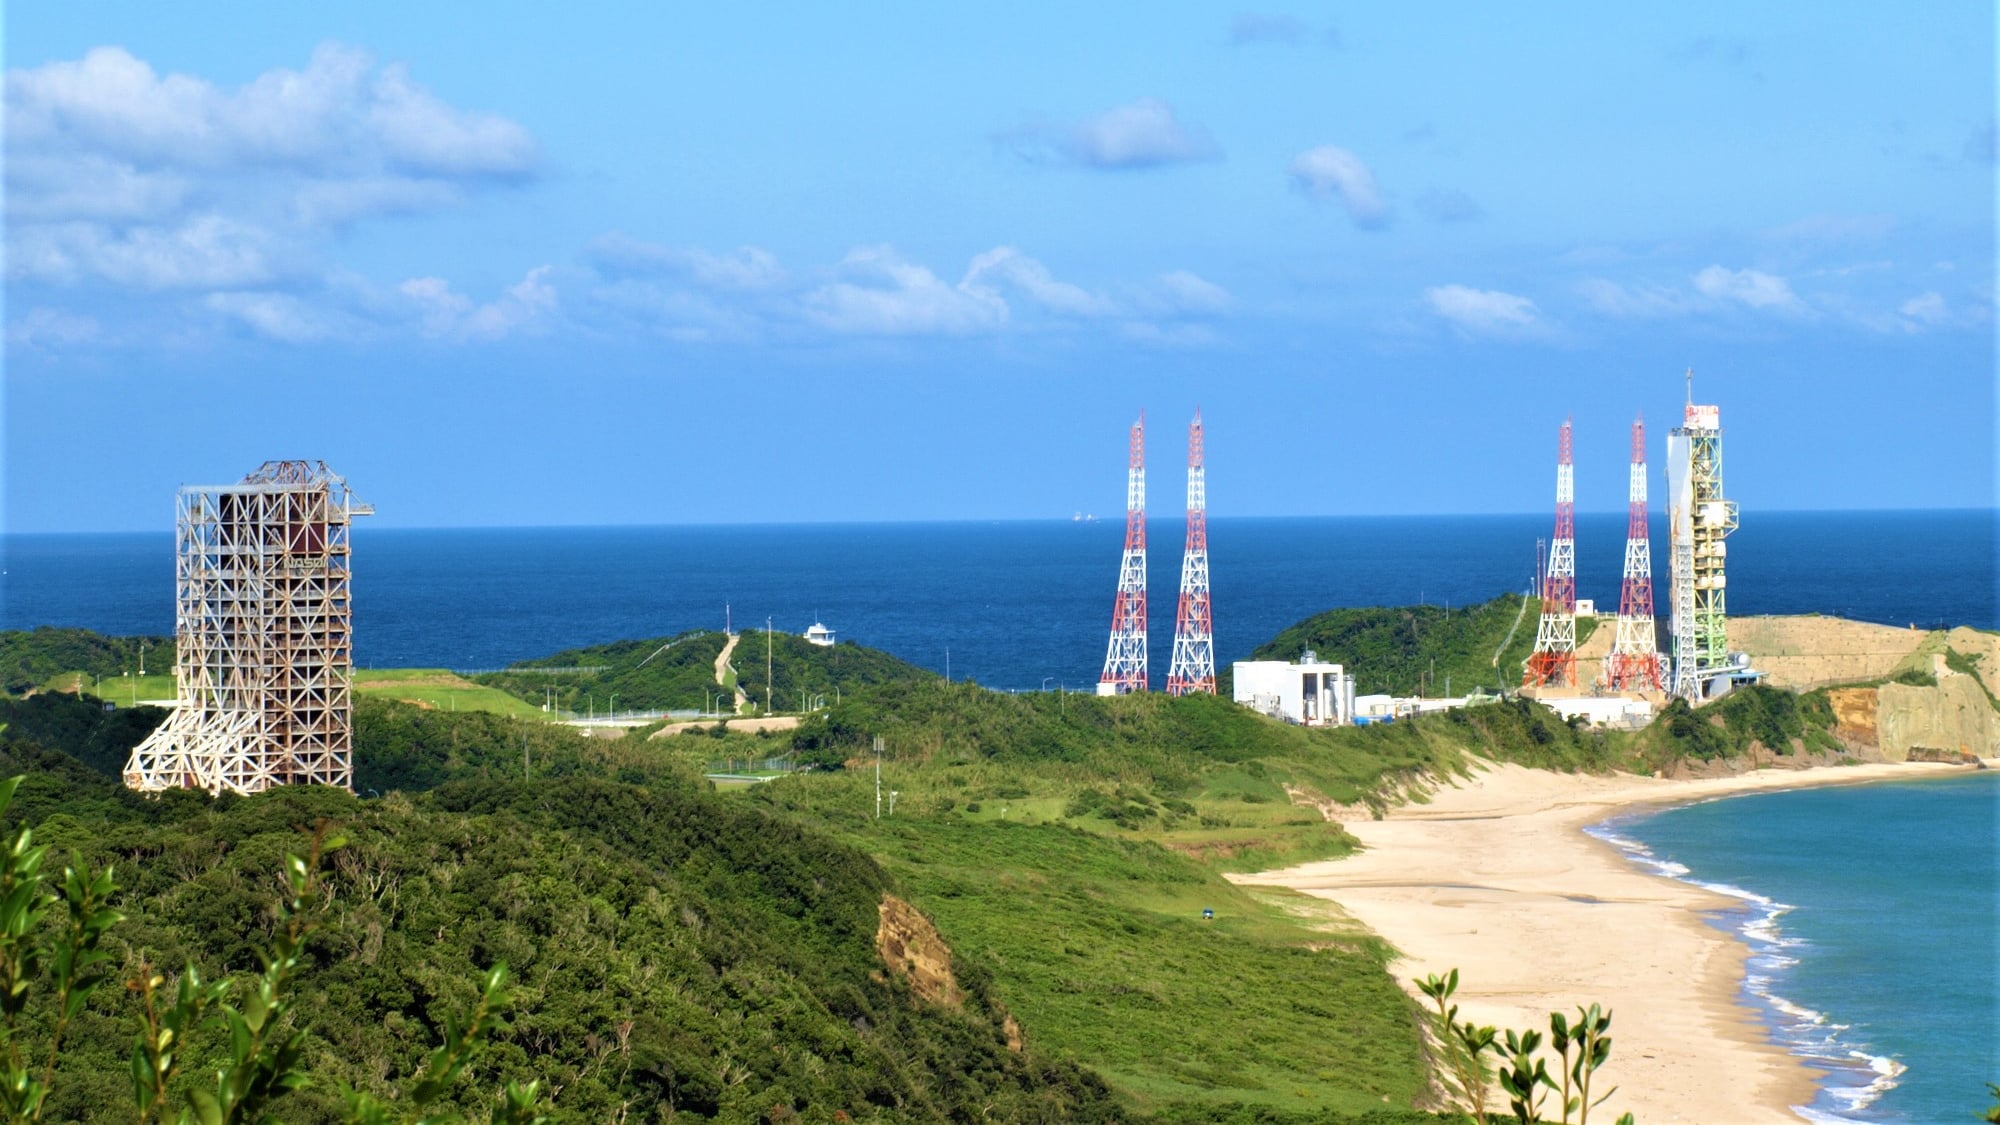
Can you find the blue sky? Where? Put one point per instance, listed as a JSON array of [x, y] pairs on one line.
[[639, 264]]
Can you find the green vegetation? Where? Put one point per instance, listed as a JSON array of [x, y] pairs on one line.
[[678, 673], [1409, 650], [1749, 721], [679, 950], [675, 952], [442, 690], [661, 674], [1522, 1073], [805, 676], [30, 658]]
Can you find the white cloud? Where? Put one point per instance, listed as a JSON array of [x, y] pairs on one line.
[[883, 294], [1184, 292], [1144, 134], [279, 316], [1007, 265], [119, 175], [335, 115], [204, 252], [439, 308], [1488, 312], [49, 327], [1926, 310], [525, 306], [420, 132], [1332, 172], [1751, 288], [1639, 302]]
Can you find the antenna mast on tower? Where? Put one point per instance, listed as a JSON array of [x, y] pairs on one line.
[[1635, 663], [1554, 659], [1125, 659], [1193, 666]]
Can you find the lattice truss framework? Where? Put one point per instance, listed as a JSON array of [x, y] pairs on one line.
[[263, 626], [1699, 519], [1125, 656], [1553, 662], [1635, 663], [1192, 668]]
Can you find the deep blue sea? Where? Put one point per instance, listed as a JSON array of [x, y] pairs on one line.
[[1872, 910], [1009, 604]]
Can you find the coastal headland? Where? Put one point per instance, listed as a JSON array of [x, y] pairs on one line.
[[1494, 876]]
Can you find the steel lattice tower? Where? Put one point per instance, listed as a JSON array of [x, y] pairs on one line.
[[263, 633], [1554, 658], [1698, 520], [1635, 663], [1125, 659], [1193, 666]]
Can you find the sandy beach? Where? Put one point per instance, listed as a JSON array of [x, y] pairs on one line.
[[1495, 877]]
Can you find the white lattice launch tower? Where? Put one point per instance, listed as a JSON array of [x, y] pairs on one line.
[[1553, 663], [263, 628], [1125, 659], [1193, 666], [1698, 520], [1635, 663]]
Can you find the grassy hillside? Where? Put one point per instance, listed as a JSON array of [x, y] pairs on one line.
[[803, 672], [443, 690], [658, 674], [678, 673], [30, 658], [676, 954], [1404, 650]]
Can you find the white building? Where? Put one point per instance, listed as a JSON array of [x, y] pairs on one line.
[[819, 635], [1602, 710], [1308, 693]]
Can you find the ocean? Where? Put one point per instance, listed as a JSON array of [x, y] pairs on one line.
[[1902, 1012], [1870, 912], [1012, 605]]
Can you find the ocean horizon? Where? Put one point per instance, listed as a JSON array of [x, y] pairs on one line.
[[1011, 604]]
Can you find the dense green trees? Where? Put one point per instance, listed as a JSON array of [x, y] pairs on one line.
[[29, 657], [673, 951]]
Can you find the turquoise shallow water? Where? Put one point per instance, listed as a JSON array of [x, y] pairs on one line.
[[1870, 911]]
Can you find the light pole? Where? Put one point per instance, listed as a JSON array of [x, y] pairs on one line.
[[611, 709], [770, 684]]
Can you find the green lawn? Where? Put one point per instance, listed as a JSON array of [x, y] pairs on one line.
[[425, 687], [122, 690], [442, 690]]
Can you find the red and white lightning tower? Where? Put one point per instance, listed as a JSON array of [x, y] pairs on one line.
[[1635, 663], [1193, 666], [1125, 659], [1554, 659]]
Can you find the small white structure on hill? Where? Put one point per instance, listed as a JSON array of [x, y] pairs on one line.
[[1308, 693], [819, 635], [1602, 710]]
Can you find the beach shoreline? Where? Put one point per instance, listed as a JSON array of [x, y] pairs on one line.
[[1495, 875]]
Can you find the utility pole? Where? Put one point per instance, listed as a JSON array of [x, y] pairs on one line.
[[770, 684], [878, 777]]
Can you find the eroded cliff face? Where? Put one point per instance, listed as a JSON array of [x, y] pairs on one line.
[[911, 948], [1955, 717]]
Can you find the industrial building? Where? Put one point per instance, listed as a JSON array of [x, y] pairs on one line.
[[263, 626], [1308, 693]]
